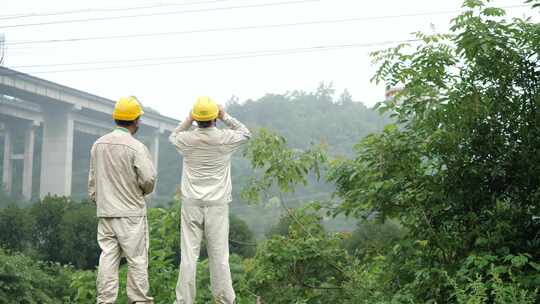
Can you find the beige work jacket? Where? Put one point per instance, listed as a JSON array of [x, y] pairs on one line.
[[121, 174], [206, 169]]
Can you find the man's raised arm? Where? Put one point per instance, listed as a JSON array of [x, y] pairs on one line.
[[240, 133], [176, 136]]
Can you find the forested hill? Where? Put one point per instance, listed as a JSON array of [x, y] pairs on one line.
[[311, 117]]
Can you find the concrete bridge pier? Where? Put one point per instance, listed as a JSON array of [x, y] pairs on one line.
[[28, 161], [7, 165], [154, 147], [57, 152]]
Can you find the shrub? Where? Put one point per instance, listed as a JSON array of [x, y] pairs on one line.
[[25, 281], [15, 228]]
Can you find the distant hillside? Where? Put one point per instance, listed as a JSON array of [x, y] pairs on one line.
[[305, 118]]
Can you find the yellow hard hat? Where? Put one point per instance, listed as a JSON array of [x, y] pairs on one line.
[[127, 108], [205, 109]]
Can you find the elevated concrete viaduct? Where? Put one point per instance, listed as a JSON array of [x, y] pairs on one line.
[[29, 103]]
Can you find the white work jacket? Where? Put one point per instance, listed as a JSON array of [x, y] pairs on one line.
[[206, 169], [121, 174]]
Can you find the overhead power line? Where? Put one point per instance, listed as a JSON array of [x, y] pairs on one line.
[[137, 63], [196, 31], [238, 28], [104, 10], [139, 60], [160, 13]]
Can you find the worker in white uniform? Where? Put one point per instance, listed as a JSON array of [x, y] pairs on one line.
[[121, 175], [206, 194]]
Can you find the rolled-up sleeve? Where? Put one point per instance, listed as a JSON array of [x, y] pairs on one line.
[[146, 173], [92, 176]]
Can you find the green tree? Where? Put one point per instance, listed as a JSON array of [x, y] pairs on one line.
[[307, 265], [46, 237], [372, 238], [78, 230], [241, 239], [461, 170], [280, 166], [26, 281], [304, 262], [15, 228]]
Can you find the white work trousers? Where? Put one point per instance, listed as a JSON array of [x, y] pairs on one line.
[[117, 237], [213, 221]]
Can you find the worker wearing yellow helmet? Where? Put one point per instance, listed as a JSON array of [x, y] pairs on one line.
[[121, 175], [206, 194]]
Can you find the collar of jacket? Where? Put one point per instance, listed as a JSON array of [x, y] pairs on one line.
[[121, 129]]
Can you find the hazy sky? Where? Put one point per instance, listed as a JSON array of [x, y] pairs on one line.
[[172, 88]]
